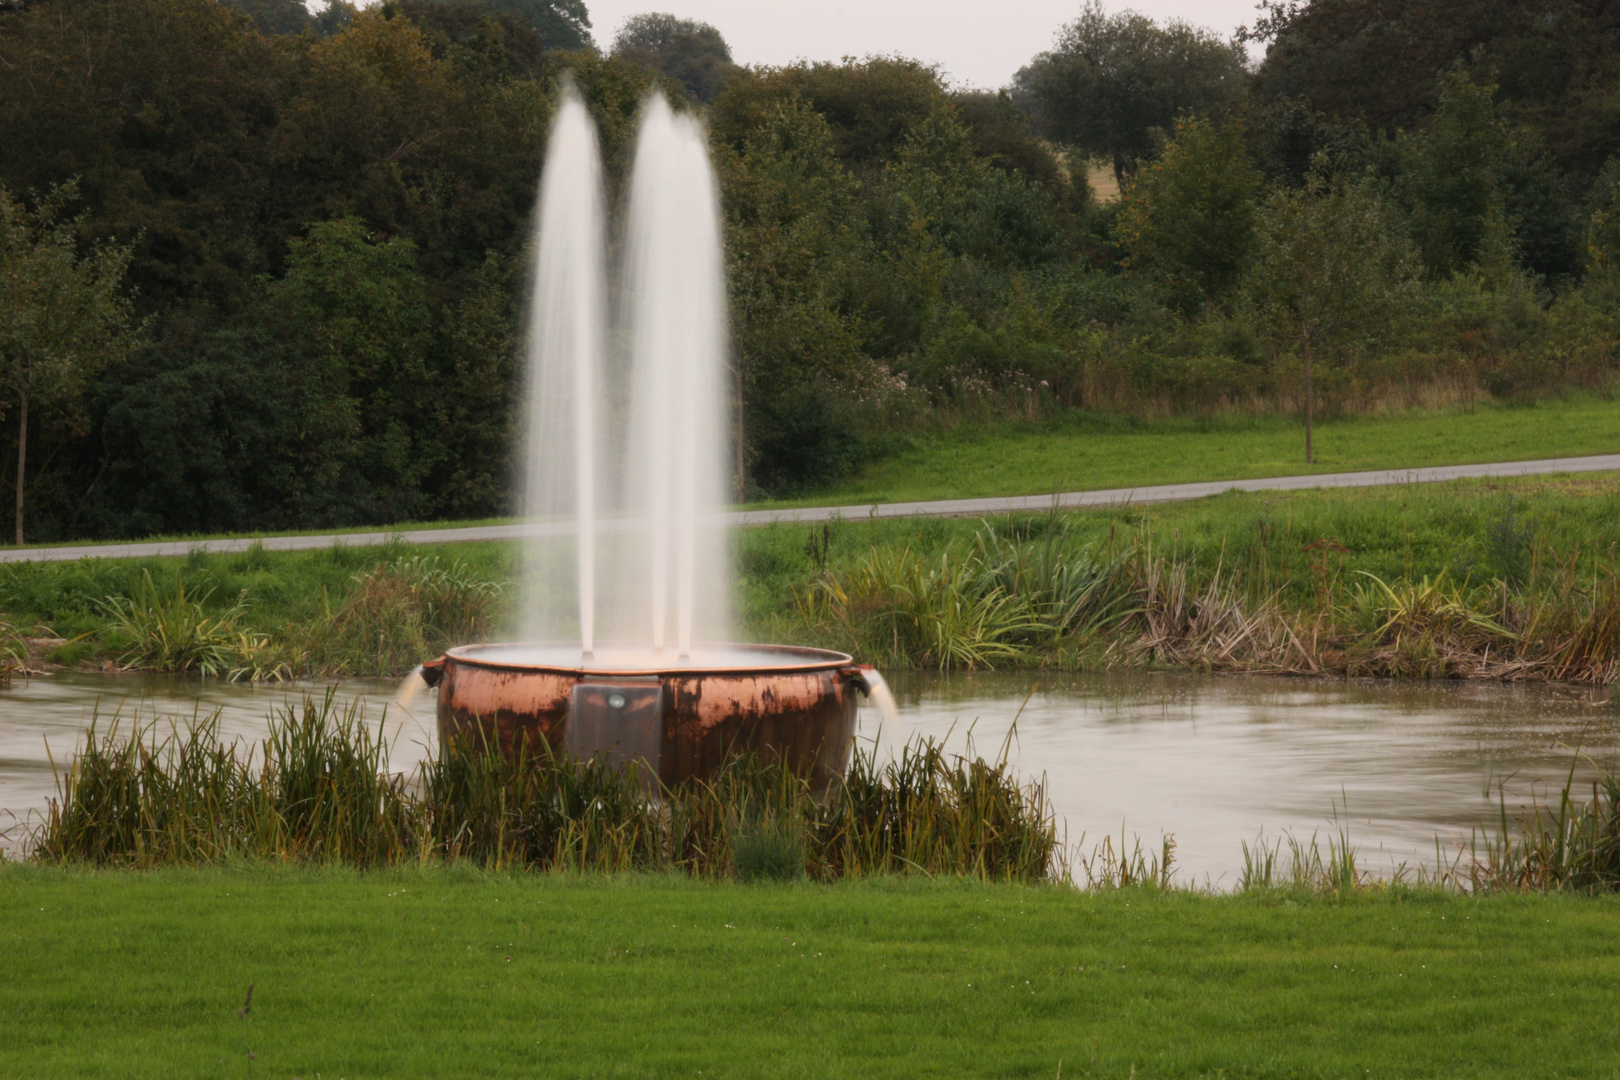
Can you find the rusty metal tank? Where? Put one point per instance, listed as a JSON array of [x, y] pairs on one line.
[[681, 715]]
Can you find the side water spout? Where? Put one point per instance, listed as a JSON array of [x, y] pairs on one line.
[[877, 691], [424, 674]]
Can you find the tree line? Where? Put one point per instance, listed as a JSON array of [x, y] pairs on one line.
[[315, 225]]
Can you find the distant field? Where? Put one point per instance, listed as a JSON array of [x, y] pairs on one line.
[[1104, 186], [1085, 455], [463, 974]]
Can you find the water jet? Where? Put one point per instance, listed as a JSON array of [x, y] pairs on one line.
[[623, 615]]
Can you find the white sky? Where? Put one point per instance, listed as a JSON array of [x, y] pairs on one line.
[[975, 43]]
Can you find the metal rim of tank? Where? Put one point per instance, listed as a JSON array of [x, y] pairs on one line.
[[795, 658]]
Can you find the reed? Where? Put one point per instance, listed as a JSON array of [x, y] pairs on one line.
[[1293, 865], [13, 653], [395, 614], [175, 631], [1050, 598], [147, 794], [1573, 846], [316, 789]]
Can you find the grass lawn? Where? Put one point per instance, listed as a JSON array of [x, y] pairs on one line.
[[459, 974], [1023, 459]]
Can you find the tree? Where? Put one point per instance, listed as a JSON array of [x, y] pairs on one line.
[[692, 53], [1467, 172], [356, 320], [162, 110], [793, 236], [1112, 80], [293, 16], [1333, 262], [1602, 239], [1381, 61], [1187, 220], [871, 105], [63, 314], [563, 24], [274, 16], [503, 44], [1003, 136]]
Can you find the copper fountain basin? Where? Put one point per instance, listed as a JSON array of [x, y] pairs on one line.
[[681, 716]]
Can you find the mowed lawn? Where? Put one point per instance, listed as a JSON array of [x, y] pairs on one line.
[[459, 974], [1014, 459]]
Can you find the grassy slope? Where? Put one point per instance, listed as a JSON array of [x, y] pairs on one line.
[[1019, 459], [460, 975], [1466, 528]]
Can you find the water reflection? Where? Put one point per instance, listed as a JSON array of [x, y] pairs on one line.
[[1211, 760]]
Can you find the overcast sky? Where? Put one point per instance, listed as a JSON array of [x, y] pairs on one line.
[[978, 43]]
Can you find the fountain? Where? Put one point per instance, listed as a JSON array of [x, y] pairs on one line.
[[623, 614]]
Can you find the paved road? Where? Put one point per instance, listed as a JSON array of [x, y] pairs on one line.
[[939, 508]]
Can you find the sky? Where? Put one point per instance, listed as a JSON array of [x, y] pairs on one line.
[[978, 44]]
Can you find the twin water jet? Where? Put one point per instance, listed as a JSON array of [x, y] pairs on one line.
[[627, 613]]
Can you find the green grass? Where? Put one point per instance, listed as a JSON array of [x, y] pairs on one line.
[[199, 538], [280, 587], [460, 974], [1471, 530], [1094, 453]]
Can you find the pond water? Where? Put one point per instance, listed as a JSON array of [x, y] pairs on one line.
[[1211, 761]]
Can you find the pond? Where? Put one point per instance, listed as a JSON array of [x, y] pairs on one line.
[[1210, 760]]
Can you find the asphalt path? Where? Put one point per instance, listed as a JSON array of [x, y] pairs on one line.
[[936, 508]]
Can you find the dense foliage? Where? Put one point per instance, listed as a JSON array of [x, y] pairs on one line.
[[326, 216]]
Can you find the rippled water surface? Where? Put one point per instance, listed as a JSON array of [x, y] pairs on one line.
[[1212, 761]]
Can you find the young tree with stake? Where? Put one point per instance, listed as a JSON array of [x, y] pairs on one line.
[[63, 314], [1333, 265]]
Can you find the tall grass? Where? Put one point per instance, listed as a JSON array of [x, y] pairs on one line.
[[1054, 599], [997, 601], [149, 794], [13, 653], [397, 614], [316, 789], [159, 629], [1575, 845]]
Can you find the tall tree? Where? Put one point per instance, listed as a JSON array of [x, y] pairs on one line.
[[162, 109], [1112, 80], [1187, 220], [1557, 63], [692, 53], [356, 320], [293, 16], [63, 314], [563, 24]]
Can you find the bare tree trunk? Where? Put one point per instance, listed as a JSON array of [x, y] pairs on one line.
[[1310, 457], [22, 461]]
